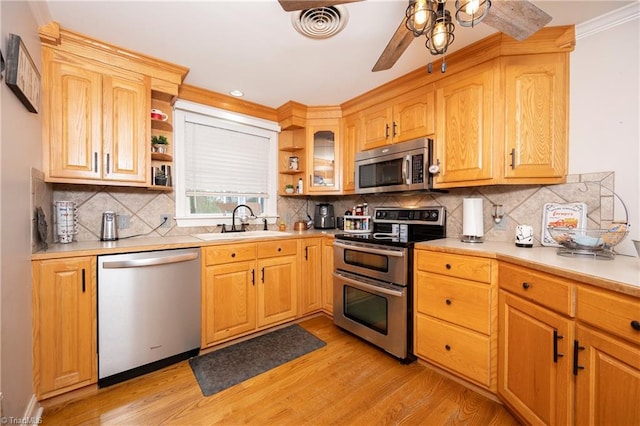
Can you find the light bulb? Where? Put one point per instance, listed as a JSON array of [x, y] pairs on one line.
[[420, 16], [472, 7], [439, 36]]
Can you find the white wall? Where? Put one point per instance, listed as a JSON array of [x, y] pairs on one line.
[[20, 149], [605, 106]]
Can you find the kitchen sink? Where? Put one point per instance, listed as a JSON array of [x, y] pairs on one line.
[[215, 236]]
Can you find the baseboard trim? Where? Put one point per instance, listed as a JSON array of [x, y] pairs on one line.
[[33, 412]]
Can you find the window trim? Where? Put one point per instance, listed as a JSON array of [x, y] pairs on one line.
[[190, 111]]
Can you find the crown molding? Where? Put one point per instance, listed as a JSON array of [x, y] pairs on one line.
[[608, 20]]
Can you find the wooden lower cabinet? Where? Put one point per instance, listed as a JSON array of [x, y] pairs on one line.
[[64, 325], [310, 287], [229, 298], [277, 290], [247, 286], [607, 380], [455, 315], [535, 355], [327, 275]]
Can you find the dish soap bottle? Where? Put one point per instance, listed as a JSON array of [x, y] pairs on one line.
[[300, 186]]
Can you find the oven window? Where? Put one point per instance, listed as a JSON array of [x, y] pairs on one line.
[[366, 308], [375, 262]]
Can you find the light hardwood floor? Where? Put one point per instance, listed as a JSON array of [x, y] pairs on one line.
[[347, 382]]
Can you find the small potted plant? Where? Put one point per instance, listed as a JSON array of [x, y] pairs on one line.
[[160, 178], [159, 143], [288, 189]]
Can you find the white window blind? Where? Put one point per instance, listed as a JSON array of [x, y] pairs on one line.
[[224, 162]]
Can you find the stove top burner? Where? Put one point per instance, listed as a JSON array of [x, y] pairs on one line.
[[402, 227]]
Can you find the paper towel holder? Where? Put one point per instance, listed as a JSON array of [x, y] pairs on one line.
[[472, 221]]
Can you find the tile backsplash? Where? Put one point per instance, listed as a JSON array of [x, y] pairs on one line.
[[522, 204]]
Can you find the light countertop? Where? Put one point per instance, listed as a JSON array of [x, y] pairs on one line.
[[621, 274]]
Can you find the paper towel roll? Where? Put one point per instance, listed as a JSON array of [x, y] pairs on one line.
[[472, 222]]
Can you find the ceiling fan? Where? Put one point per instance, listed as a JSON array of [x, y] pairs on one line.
[[516, 18]]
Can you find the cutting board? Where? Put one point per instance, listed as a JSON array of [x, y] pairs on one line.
[[568, 215]]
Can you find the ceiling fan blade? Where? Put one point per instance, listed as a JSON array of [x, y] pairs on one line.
[[516, 18], [293, 5], [401, 39]]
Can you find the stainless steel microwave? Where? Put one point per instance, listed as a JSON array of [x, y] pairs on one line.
[[394, 168]]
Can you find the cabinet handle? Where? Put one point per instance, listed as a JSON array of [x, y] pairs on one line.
[[448, 266], [556, 337], [95, 162], [526, 285], [306, 253], [233, 255], [386, 131], [447, 347], [576, 349], [84, 283], [513, 158], [448, 301], [635, 325], [253, 277], [108, 161], [262, 275], [279, 249], [395, 127]]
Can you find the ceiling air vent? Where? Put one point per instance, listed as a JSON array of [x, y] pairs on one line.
[[320, 22]]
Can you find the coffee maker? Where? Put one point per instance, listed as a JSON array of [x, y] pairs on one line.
[[324, 217]]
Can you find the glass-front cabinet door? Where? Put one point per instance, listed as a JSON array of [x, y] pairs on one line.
[[325, 169]]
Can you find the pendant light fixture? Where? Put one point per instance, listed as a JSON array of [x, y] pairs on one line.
[[420, 16], [470, 13], [440, 36]]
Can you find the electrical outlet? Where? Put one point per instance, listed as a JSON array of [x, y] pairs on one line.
[[167, 220], [123, 221], [502, 225]]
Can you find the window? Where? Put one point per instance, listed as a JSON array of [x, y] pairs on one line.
[[223, 159]]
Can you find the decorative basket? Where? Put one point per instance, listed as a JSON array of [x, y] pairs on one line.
[[594, 242]]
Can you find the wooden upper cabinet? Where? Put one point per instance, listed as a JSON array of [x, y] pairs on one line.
[[535, 116], [402, 118], [324, 151], [126, 129], [352, 130], [73, 121], [96, 104], [464, 136]]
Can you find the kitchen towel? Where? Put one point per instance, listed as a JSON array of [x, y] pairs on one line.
[[472, 220], [229, 366]]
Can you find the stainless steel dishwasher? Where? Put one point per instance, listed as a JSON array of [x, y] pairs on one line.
[[148, 312]]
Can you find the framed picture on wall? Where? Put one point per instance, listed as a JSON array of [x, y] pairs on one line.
[[22, 75]]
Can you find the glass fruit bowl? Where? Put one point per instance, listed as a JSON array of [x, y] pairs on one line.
[[589, 241]]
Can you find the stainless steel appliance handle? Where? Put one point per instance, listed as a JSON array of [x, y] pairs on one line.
[[151, 261], [389, 292], [406, 170], [384, 252]]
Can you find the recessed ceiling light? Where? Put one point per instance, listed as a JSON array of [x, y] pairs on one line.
[[236, 93]]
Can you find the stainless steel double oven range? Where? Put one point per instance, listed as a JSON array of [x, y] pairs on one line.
[[373, 276]]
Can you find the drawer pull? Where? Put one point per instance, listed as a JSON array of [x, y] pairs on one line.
[[635, 325], [448, 266], [279, 249], [447, 347], [556, 354], [233, 255], [526, 285], [448, 301]]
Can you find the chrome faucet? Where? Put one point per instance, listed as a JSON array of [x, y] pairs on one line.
[[233, 219]]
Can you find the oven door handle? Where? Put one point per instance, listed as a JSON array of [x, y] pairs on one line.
[[388, 292], [384, 252]]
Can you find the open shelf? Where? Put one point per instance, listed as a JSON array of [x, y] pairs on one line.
[[157, 156]]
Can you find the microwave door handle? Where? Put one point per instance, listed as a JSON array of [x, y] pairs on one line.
[[406, 170]]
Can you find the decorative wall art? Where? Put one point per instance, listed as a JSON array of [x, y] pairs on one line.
[[22, 75]]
